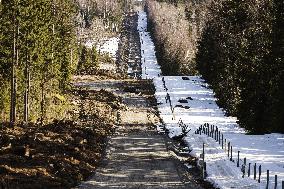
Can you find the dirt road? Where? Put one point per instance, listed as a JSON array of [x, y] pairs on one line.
[[138, 156]]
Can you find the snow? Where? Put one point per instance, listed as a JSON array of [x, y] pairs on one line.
[[150, 67], [193, 102], [109, 46], [106, 46]]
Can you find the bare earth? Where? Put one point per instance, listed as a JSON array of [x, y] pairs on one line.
[[138, 156]]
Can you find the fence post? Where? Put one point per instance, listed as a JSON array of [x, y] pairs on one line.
[[225, 145], [267, 179], [222, 141], [275, 185], [243, 169], [204, 164], [207, 131], [238, 162], [254, 173], [249, 170], [203, 152], [231, 153], [219, 137], [204, 170], [259, 173], [229, 149]]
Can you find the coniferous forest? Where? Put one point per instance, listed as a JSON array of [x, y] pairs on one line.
[[237, 46], [42, 46], [38, 55]]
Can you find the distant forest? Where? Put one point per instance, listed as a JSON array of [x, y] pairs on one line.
[[237, 46]]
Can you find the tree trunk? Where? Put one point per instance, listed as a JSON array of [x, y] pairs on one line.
[[27, 88], [42, 102], [13, 77]]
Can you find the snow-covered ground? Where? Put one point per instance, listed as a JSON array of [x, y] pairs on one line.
[[150, 67], [194, 103], [107, 46]]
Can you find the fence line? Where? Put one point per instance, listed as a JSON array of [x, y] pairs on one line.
[[214, 132]]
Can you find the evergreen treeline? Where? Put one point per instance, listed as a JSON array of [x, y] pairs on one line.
[[42, 43], [38, 53], [239, 52], [241, 55]]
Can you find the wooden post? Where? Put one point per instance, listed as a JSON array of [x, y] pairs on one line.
[[207, 131], [225, 145], [204, 170], [243, 169], [229, 149], [203, 152], [259, 173], [219, 137], [238, 162], [275, 183], [267, 179], [249, 170], [222, 141], [231, 153], [254, 171]]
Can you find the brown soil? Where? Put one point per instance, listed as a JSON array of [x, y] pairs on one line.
[[60, 154]]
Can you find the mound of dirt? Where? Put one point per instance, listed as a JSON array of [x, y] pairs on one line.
[[62, 153], [57, 155]]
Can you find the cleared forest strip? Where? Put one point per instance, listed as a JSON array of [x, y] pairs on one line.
[[190, 100]]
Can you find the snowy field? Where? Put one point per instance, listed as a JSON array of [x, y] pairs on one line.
[[189, 99], [107, 46]]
